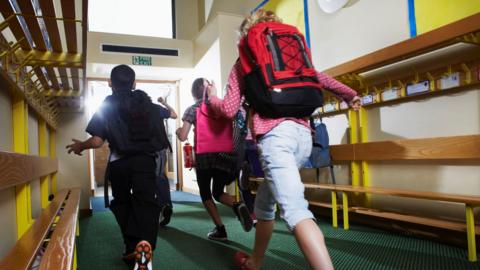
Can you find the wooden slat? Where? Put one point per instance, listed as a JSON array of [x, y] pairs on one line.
[[75, 79], [427, 195], [64, 78], [14, 24], [17, 168], [429, 41], [42, 78], [33, 27], [24, 251], [459, 198], [68, 11], [60, 250], [53, 77], [48, 10], [7, 10], [325, 205], [342, 152], [442, 148], [445, 224]]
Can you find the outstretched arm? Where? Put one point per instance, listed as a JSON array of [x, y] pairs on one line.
[[173, 114], [78, 146], [339, 89]]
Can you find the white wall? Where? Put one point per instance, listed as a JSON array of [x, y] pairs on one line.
[[95, 54], [72, 169], [8, 225], [354, 31], [233, 7], [33, 150], [229, 37], [368, 26], [186, 19]]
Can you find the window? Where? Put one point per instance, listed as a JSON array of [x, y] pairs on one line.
[[153, 18]]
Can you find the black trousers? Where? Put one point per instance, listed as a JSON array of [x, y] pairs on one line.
[[163, 186], [220, 180], [135, 203]]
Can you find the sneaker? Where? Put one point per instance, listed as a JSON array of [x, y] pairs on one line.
[[218, 234], [165, 215], [143, 256], [242, 213], [240, 260]]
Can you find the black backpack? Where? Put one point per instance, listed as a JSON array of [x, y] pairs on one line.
[[134, 123]]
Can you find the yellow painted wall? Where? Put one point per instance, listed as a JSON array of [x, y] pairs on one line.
[[33, 150], [8, 225], [291, 12], [431, 14]]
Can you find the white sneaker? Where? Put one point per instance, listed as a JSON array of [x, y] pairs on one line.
[[143, 256]]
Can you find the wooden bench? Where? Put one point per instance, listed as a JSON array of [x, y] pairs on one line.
[[50, 239], [444, 150]]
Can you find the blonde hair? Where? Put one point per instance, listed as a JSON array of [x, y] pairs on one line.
[[258, 16]]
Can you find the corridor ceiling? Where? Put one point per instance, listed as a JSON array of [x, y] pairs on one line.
[[42, 53]]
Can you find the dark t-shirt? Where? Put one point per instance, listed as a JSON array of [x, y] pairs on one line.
[[97, 125]]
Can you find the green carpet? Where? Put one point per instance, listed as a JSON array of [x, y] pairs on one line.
[[183, 245]]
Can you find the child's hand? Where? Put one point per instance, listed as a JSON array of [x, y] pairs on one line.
[[76, 147], [355, 103], [211, 89]]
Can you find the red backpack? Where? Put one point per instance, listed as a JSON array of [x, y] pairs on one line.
[[280, 78]]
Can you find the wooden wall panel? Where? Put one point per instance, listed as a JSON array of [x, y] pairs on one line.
[[455, 148], [342, 152], [442, 148], [17, 168]]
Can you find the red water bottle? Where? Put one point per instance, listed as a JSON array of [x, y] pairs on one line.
[[188, 156]]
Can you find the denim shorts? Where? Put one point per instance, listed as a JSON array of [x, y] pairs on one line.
[[282, 152]]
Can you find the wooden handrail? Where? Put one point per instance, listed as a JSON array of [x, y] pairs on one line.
[[25, 250], [60, 250], [458, 198], [16, 168], [435, 39], [428, 195], [454, 148]]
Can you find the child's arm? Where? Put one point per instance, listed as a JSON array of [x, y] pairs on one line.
[[173, 114], [78, 146], [233, 98], [182, 132], [339, 89]]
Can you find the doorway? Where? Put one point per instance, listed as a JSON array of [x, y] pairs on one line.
[[98, 90]]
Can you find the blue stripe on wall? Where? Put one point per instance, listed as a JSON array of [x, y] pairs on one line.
[[307, 26], [260, 6], [411, 18]]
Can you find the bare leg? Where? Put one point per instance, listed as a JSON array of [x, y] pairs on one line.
[[227, 199], [312, 243], [263, 234], [213, 212]]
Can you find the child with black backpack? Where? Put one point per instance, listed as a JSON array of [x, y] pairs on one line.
[[276, 76], [129, 121]]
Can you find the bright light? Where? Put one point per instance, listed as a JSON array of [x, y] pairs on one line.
[[139, 17], [99, 91]]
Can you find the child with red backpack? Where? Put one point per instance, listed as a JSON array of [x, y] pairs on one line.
[[276, 76]]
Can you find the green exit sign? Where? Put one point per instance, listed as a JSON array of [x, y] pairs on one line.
[[142, 60]]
